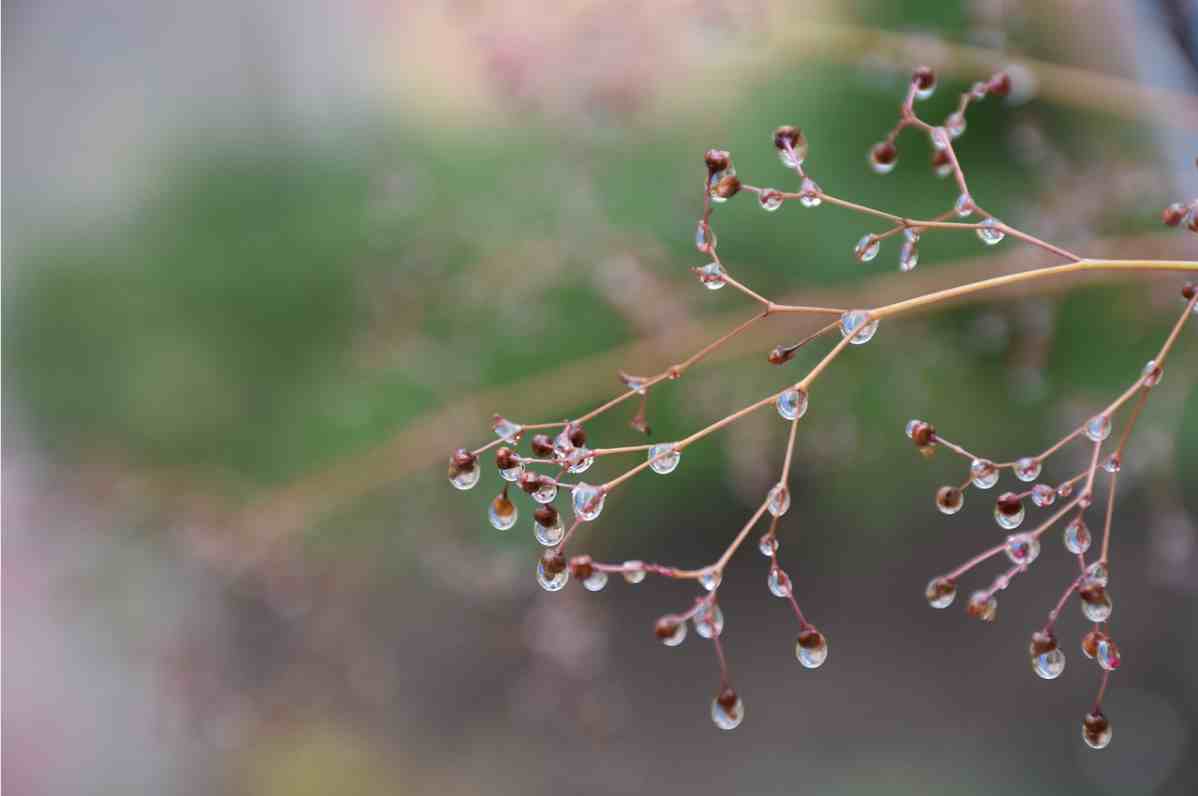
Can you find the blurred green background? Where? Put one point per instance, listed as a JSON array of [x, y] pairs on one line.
[[267, 263]]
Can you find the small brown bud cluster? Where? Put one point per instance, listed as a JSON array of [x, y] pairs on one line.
[[923, 434], [1043, 641], [717, 160], [462, 461], [505, 459], [1096, 729], [575, 434]]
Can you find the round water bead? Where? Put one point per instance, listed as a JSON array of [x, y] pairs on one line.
[[768, 544], [587, 500], [770, 200], [1043, 495], [579, 460], [963, 207], [856, 324], [663, 459], [811, 648], [502, 513], [949, 499], [1049, 665], [778, 582], [1151, 374], [1077, 536], [634, 571], [547, 526], [1098, 573], [552, 572], [1113, 463], [810, 194], [1107, 654], [709, 621], [1098, 428], [1096, 603], [1090, 643], [546, 492], [955, 124], [982, 606], [983, 473], [595, 581], [989, 232], [727, 710], [670, 631], [704, 239], [908, 255], [1008, 511], [792, 404], [712, 276], [940, 592], [779, 500], [867, 248], [1027, 469], [1022, 548], [711, 580], [1096, 730], [463, 478]]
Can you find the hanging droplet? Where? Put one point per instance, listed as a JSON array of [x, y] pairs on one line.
[[1008, 511], [547, 526], [711, 580], [552, 572], [546, 492], [990, 233], [811, 648], [712, 276], [1096, 730], [791, 145], [770, 200], [923, 82], [704, 237], [1098, 428], [663, 459], [857, 324], [1077, 536], [1022, 548], [1065, 489], [792, 404], [982, 606], [670, 631], [908, 255], [949, 499], [1049, 665], [587, 500], [1090, 643], [1043, 495], [883, 156], [511, 473], [579, 460], [1096, 602], [1151, 374], [867, 248], [1113, 463], [1107, 655], [810, 194], [778, 582], [983, 473], [955, 124], [1027, 469], [634, 571], [1098, 573], [502, 513], [595, 581], [940, 592], [464, 469], [506, 430], [768, 544], [709, 621], [779, 500], [963, 206], [727, 710]]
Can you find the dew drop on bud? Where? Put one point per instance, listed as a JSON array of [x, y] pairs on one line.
[[883, 156], [464, 470], [792, 404], [940, 592], [546, 492], [506, 430], [1077, 536], [811, 648], [1098, 428], [1027, 469], [1049, 665], [778, 582], [552, 572], [810, 194], [924, 82], [770, 200], [1090, 643], [909, 255], [502, 513], [1112, 463], [1096, 730], [779, 500], [857, 324], [711, 580], [547, 526], [727, 710], [1098, 573], [982, 606], [949, 499], [955, 124], [1151, 374], [867, 248], [1107, 654], [963, 207], [663, 459], [709, 621], [595, 581], [587, 501], [1008, 511], [1096, 602], [1043, 495], [712, 276], [634, 571], [768, 545], [670, 631], [983, 473], [989, 232], [1022, 548], [704, 237]]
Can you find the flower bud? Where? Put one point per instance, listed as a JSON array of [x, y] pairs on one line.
[[542, 445], [727, 187], [717, 160]]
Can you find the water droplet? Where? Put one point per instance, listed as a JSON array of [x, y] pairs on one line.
[[1049, 665], [983, 473], [1152, 373], [963, 206], [1077, 536], [792, 404], [779, 500], [1043, 495], [857, 324], [1008, 511], [989, 233], [671, 632], [1027, 469], [1096, 604], [462, 478], [727, 714], [811, 648], [982, 606], [768, 545], [810, 194], [908, 256], [579, 460], [548, 534], [1107, 655], [955, 124], [587, 500], [546, 492], [1098, 573], [949, 499], [711, 580], [778, 582], [1098, 428], [511, 473], [595, 581], [940, 592], [1065, 489], [709, 621], [552, 581], [1112, 463], [502, 513], [712, 276], [704, 237], [634, 571], [867, 248], [663, 459], [1096, 730], [1022, 548], [770, 200], [506, 430]]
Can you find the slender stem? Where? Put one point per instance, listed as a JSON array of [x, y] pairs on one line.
[[1110, 512]]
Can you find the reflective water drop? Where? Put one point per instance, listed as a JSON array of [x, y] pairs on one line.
[[810, 194], [940, 592], [908, 255], [587, 501], [779, 500], [502, 513], [1107, 655], [506, 430], [949, 499], [792, 404], [464, 478], [634, 572], [768, 545], [857, 325], [552, 579], [727, 713], [712, 276], [867, 248], [711, 580], [811, 648], [982, 606], [1096, 730], [1077, 536], [1043, 495], [963, 207], [595, 581], [983, 473], [778, 582], [1049, 665], [1022, 548], [1098, 428], [955, 124], [1027, 469], [546, 492], [989, 232], [709, 621], [1151, 375], [663, 459], [671, 632], [770, 200]]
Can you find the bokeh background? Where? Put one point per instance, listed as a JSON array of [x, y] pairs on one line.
[[267, 262]]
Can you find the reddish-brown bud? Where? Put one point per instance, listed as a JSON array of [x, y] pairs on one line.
[[1173, 214], [545, 516], [884, 153], [665, 627], [1000, 84], [1090, 642], [949, 499], [464, 459], [727, 698], [552, 561], [717, 160], [1042, 641], [728, 186], [542, 445], [781, 355], [581, 567], [505, 459], [924, 78], [1095, 727], [1188, 290], [940, 159], [529, 481], [1092, 592], [923, 434], [576, 435], [788, 136], [1009, 504]]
